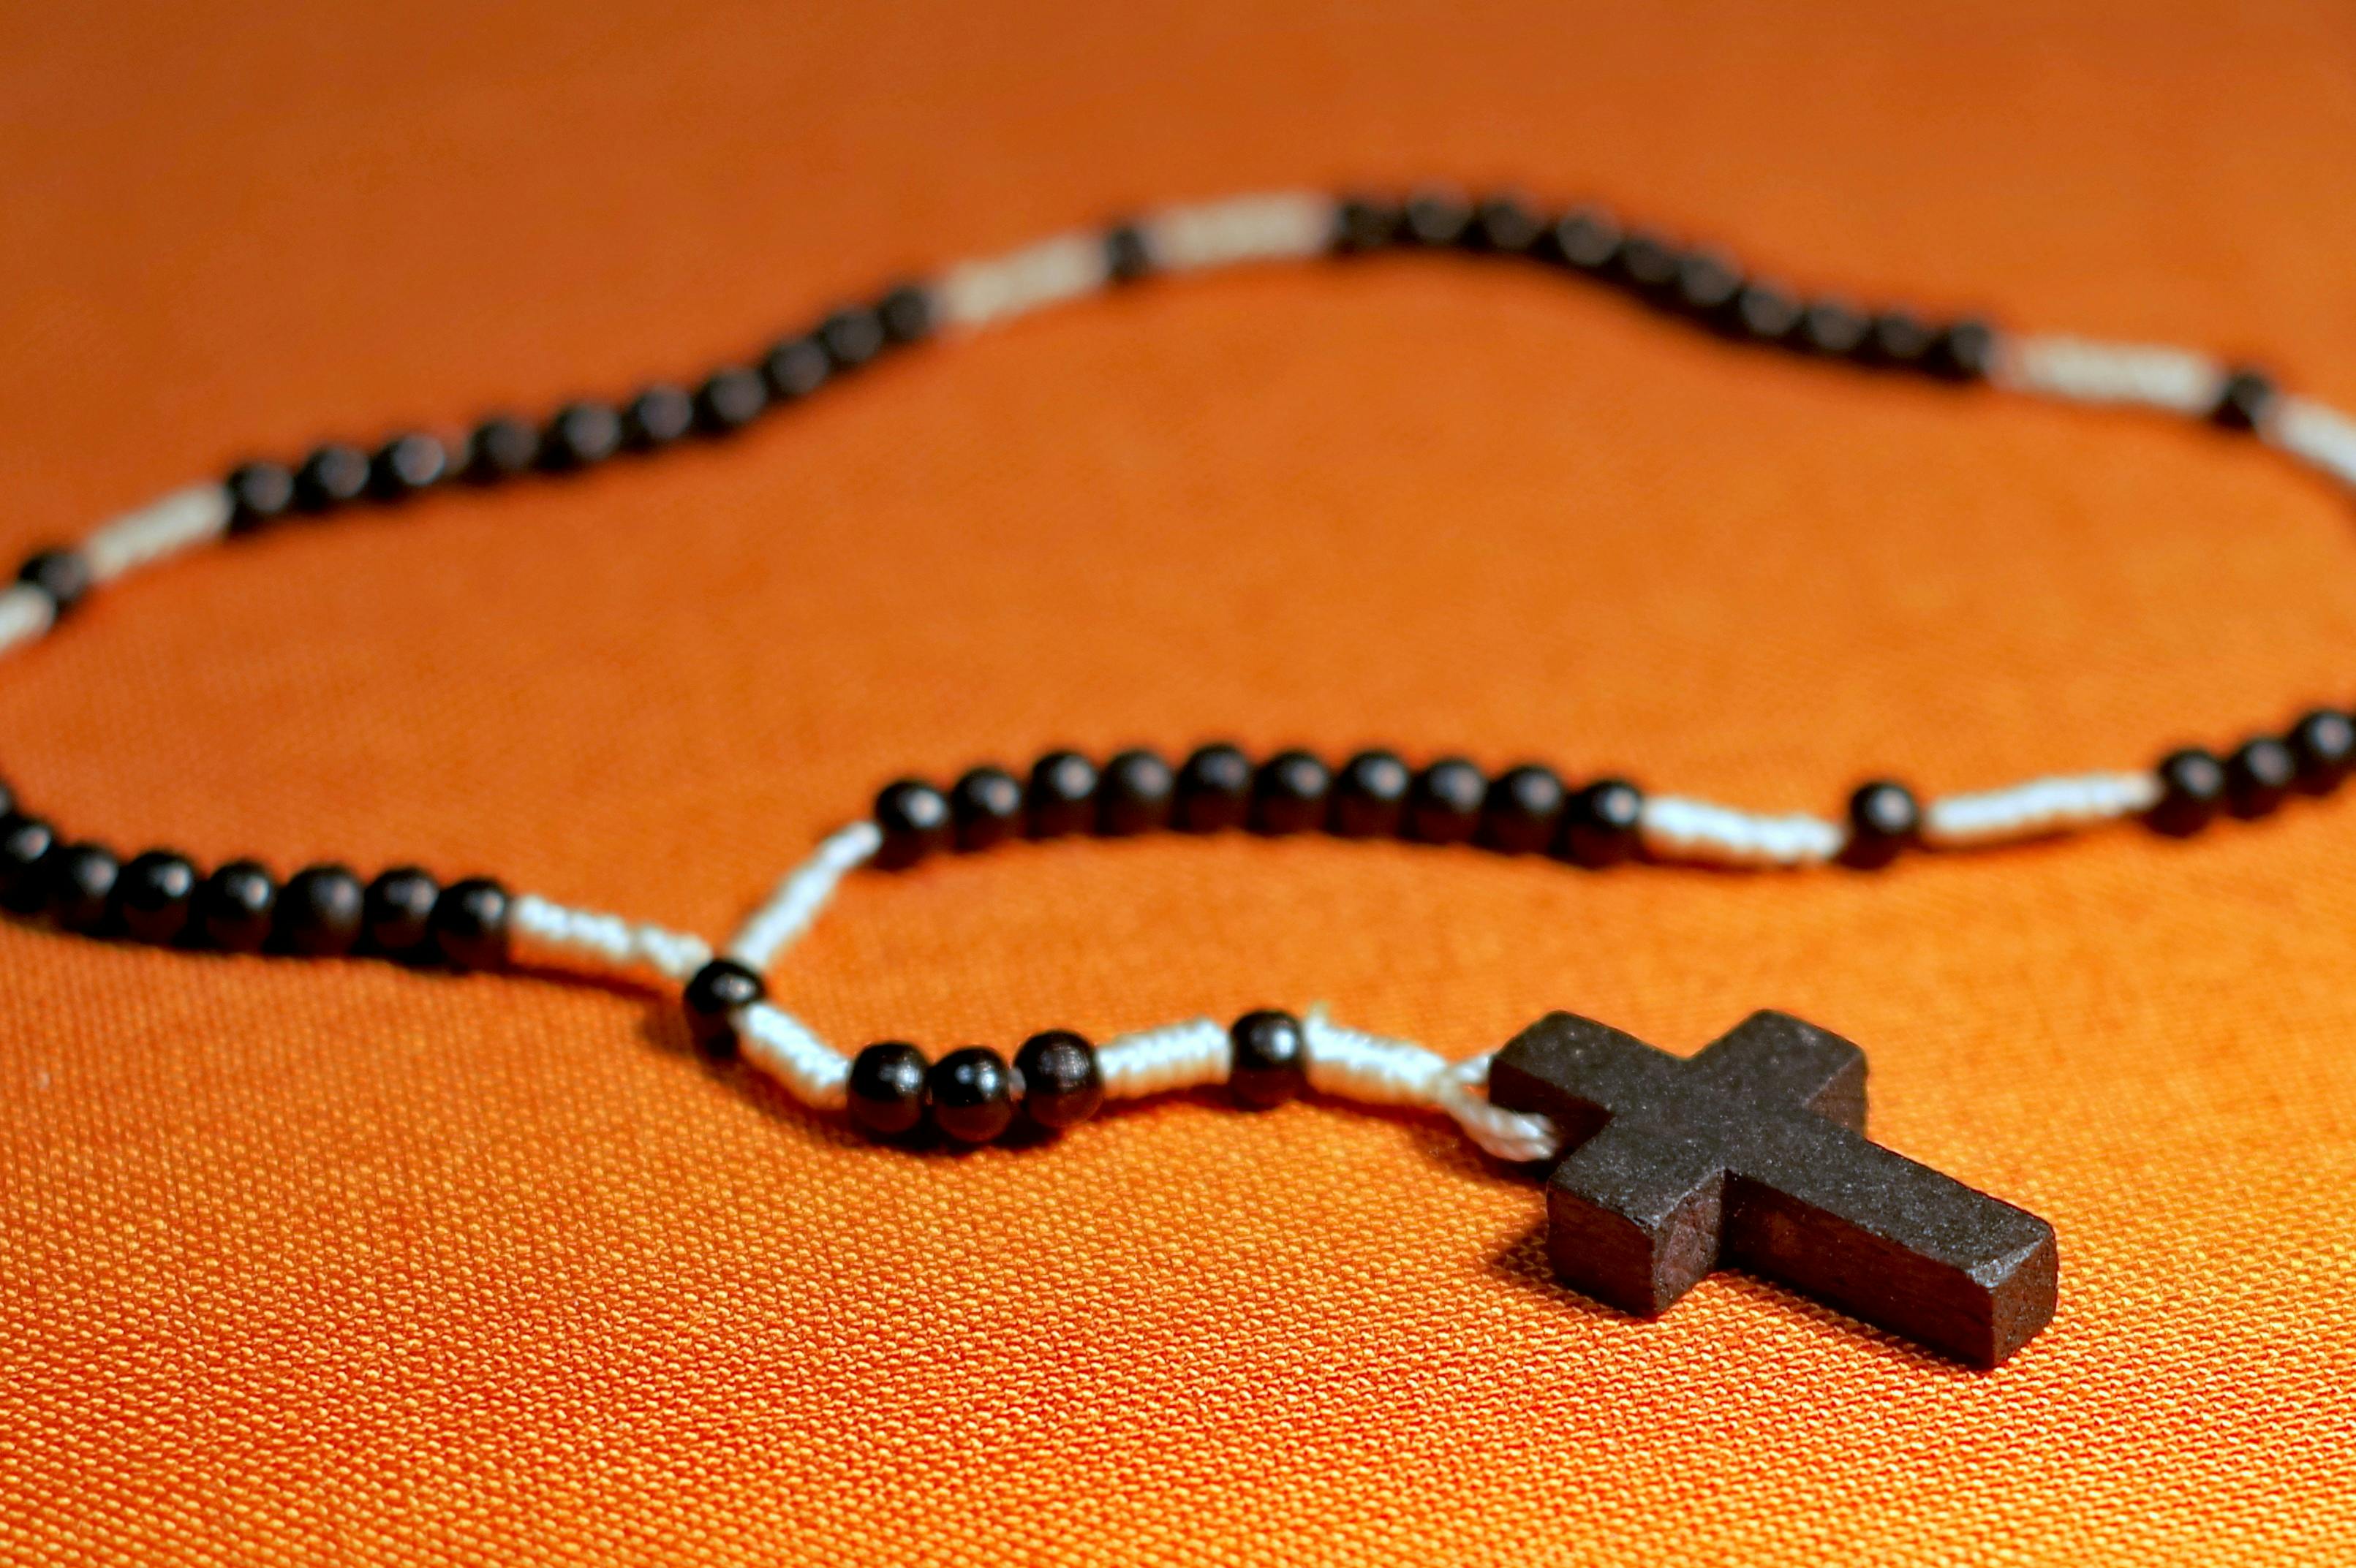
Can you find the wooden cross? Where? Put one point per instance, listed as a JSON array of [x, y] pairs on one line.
[[1752, 1155]]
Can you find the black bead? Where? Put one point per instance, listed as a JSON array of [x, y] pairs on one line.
[[1587, 241], [794, 369], [154, 896], [851, 336], [81, 879], [1363, 223], [729, 398], [1288, 793], [1764, 314], [233, 907], [1883, 819], [1444, 804], [1061, 798], [1214, 790], [714, 992], [61, 575], [1504, 225], [2259, 775], [1370, 796], [1435, 218], [1062, 1084], [331, 476], [970, 1095], [1126, 257], [501, 447], [7, 799], [1834, 328], [906, 314], [2324, 742], [469, 924], [1962, 351], [1523, 810], [1271, 1059], [406, 464], [319, 911], [1600, 823], [986, 808], [914, 817], [1705, 284], [657, 417], [580, 434], [259, 492], [1896, 340], [1133, 794], [25, 843], [2243, 399], [885, 1092], [2192, 788], [1646, 262], [397, 911]]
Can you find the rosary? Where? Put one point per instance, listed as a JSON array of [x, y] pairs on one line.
[[1750, 1154]]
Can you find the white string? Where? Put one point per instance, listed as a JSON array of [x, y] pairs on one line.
[[790, 1051], [25, 615], [1351, 1064], [1676, 828], [982, 293], [802, 896], [1176, 1056], [557, 930], [1281, 226], [194, 516], [2081, 371], [2314, 432], [2037, 808]]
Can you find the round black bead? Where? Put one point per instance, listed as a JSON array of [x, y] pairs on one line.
[[1883, 819], [406, 464], [319, 911], [905, 314], [154, 896], [2324, 743], [580, 434], [851, 336], [1133, 795], [914, 817], [397, 911], [1363, 223], [1214, 790], [1504, 225], [1587, 241], [1962, 351], [1062, 1084], [970, 1095], [259, 492], [2259, 775], [1895, 340], [1764, 314], [2243, 399], [501, 447], [1705, 283], [2193, 786], [1370, 796], [331, 476], [1289, 794], [81, 879], [1646, 262], [1435, 218], [1061, 798], [657, 417], [1444, 804], [233, 907], [61, 575], [1126, 257], [885, 1092], [1600, 823], [469, 924], [1834, 328], [729, 398], [986, 808], [794, 369], [713, 994], [1523, 810], [25, 843], [1271, 1059]]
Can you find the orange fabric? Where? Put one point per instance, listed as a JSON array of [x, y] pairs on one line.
[[304, 1264]]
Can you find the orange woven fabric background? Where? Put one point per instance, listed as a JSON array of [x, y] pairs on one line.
[[308, 1264]]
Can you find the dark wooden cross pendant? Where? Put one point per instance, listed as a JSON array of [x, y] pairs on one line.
[[1752, 1155]]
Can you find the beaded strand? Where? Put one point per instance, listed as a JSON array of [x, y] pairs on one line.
[[1059, 1078]]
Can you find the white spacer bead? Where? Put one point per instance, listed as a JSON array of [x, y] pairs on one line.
[[802, 895], [2315, 433], [1283, 226], [785, 1048], [981, 293], [2039, 807], [194, 516], [2081, 371], [25, 613], [1176, 1056], [1676, 828]]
